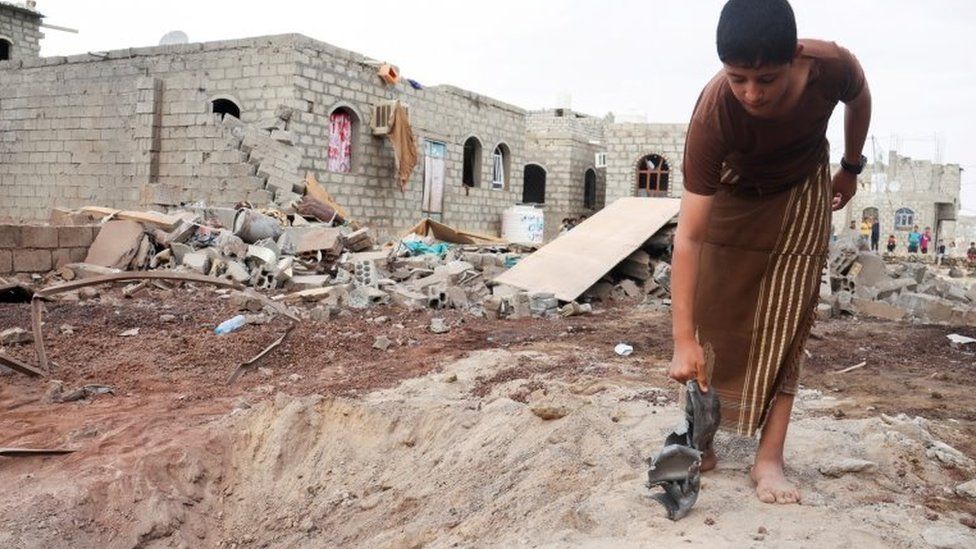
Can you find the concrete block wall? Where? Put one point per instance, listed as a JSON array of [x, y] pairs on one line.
[[627, 143], [28, 249], [21, 27], [96, 129], [329, 77], [565, 143], [69, 143]]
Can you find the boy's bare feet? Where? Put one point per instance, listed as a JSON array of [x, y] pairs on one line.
[[771, 483], [709, 460]]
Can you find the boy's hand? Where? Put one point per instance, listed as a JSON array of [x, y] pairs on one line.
[[687, 363], [844, 185]]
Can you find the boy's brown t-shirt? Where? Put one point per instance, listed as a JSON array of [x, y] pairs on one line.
[[726, 145]]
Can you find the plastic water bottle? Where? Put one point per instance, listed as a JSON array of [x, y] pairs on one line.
[[230, 325]]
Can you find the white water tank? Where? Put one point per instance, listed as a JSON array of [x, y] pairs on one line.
[[523, 224]]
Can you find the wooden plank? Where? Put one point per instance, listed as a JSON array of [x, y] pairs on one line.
[[18, 366], [572, 263], [27, 452]]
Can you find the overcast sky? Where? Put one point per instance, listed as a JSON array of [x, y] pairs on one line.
[[623, 56]]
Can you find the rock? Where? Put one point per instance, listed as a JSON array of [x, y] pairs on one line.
[[872, 269], [945, 537], [237, 272], [948, 455], [167, 318], [878, 309], [130, 332], [266, 372], [295, 377], [967, 489], [15, 336], [55, 388], [67, 329], [925, 307], [550, 411], [382, 343], [841, 467], [88, 293], [439, 326], [824, 311], [197, 261], [956, 272]]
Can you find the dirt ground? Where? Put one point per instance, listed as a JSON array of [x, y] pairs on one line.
[[437, 441]]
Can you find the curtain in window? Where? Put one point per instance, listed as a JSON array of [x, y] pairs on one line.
[[497, 171], [340, 142]]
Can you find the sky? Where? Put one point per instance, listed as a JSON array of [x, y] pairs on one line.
[[638, 58]]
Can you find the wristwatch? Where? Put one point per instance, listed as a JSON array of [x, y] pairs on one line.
[[855, 169]]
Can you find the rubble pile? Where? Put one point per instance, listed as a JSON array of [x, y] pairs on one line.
[[330, 264], [645, 274], [861, 283]]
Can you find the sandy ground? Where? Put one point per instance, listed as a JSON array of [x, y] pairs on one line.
[[436, 442]]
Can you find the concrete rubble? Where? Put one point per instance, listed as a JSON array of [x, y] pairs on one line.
[[863, 283]]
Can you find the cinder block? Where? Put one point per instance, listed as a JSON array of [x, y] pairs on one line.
[[6, 262], [39, 236], [32, 261], [10, 236], [78, 255], [61, 257], [74, 236]]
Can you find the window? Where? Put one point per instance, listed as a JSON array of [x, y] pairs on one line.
[[5, 47], [500, 164], [904, 219], [534, 187], [471, 169], [653, 176], [589, 189], [343, 130], [224, 106]]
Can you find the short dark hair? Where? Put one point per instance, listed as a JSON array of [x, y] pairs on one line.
[[753, 33]]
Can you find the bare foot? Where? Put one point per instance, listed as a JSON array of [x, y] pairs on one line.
[[771, 483], [709, 460]]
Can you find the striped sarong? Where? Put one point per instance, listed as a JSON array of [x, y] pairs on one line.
[[758, 285]]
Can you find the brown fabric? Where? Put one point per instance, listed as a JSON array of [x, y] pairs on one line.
[[759, 280], [727, 146], [404, 145]]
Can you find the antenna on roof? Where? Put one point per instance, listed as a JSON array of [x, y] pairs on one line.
[[174, 37]]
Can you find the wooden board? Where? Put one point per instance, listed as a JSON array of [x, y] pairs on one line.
[[573, 262]]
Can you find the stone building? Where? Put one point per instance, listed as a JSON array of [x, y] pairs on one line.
[[148, 127], [904, 193], [561, 170], [20, 32], [644, 159]]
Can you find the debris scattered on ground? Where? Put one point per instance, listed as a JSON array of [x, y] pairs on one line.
[[623, 349]]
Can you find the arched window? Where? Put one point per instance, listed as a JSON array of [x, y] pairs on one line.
[[5, 47], [501, 159], [534, 187], [224, 106], [471, 169], [343, 133], [653, 176], [904, 219], [589, 189]]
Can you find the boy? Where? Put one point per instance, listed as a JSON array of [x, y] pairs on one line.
[[753, 229], [914, 238]]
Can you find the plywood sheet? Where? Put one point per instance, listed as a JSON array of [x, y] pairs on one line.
[[573, 262]]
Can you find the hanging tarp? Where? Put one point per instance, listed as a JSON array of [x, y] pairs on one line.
[[340, 142]]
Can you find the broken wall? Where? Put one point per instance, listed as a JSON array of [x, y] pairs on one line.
[[134, 127], [628, 143], [565, 144], [40, 248]]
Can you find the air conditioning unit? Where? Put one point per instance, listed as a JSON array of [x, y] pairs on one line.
[[380, 120], [601, 160]]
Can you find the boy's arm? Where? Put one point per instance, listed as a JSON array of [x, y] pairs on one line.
[[688, 362], [857, 120]]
